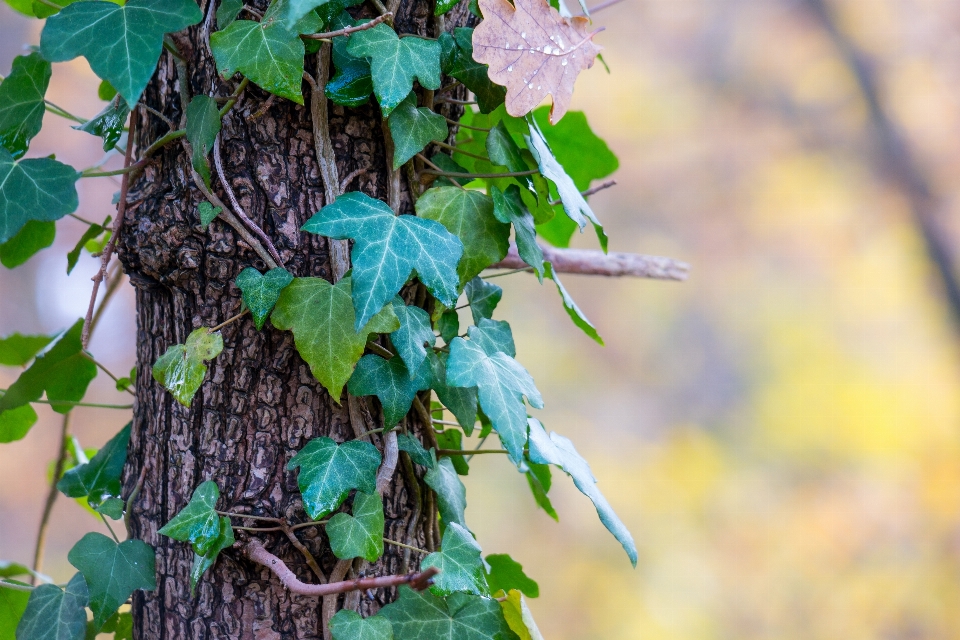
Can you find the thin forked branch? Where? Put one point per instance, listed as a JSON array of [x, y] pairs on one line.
[[328, 35]]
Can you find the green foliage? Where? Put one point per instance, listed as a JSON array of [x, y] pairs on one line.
[[16, 423], [21, 102], [360, 534], [261, 291], [457, 61], [518, 616], [227, 12], [181, 368], [348, 625], [506, 574], [458, 560], [92, 232], [203, 126], [540, 479], [413, 446], [414, 128], [571, 307], [328, 472], [33, 237], [451, 494], [207, 213], [391, 382], [17, 350], [53, 613], [201, 563], [198, 522], [34, 189], [508, 207], [462, 402], [12, 606], [453, 439], [459, 617], [413, 337], [493, 336], [98, 479], [108, 124], [352, 83]]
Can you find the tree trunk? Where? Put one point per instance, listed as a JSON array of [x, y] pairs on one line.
[[259, 403]]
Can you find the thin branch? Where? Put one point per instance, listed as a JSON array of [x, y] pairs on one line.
[[455, 101], [257, 529], [232, 100], [464, 452], [230, 320], [63, 113], [329, 35], [51, 498], [4, 584], [71, 403], [380, 351], [250, 517], [350, 176], [457, 174], [460, 151], [311, 561], [167, 120], [112, 287], [598, 263], [591, 190], [429, 163], [466, 126], [312, 523], [109, 528], [106, 371], [603, 5], [405, 546]]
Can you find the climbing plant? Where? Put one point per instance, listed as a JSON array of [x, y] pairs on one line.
[[383, 325]]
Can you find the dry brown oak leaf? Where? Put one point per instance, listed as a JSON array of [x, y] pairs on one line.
[[533, 51]]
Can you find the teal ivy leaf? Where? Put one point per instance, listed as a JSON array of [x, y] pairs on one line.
[[111, 507], [501, 383], [198, 522], [451, 494], [98, 479], [203, 126], [388, 248], [112, 571], [108, 124], [453, 439], [560, 452], [539, 479], [506, 574], [21, 102], [34, 236], [63, 372], [352, 83], [329, 471], [17, 350], [321, 317], [414, 448], [261, 291], [201, 563], [448, 325], [92, 232], [391, 382], [457, 62], [53, 613], [458, 560], [483, 298], [571, 307], [34, 189], [508, 207], [121, 43], [227, 12], [462, 402], [16, 423], [518, 616], [181, 368], [207, 213], [12, 606], [414, 332], [395, 62], [348, 625], [493, 336], [414, 128], [460, 616], [468, 215], [360, 534]]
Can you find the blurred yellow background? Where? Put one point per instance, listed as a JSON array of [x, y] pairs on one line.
[[781, 433]]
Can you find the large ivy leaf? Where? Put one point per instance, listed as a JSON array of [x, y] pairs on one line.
[[395, 62], [468, 214], [63, 372], [261, 291], [483, 298], [53, 613], [414, 447], [414, 128], [112, 571], [493, 336], [34, 236], [352, 83], [108, 124], [360, 534], [501, 382], [414, 332], [518, 616], [391, 382], [203, 125], [458, 560], [457, 61], [181, 368], [201, 563], [506, 574], [560, 452], [16, 423], [388, 248], [329, 471], [13, 603], [508, 207], [98, 479], [348, 625], [198, 522], [321, 317], [570, 306], [459, 617], [21, 102], [121, 43], [34, 189], [451, 494], [16, 350], [462, 402]]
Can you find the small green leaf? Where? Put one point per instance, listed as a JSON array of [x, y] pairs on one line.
[[414, 128], [261, 291], [181, 368], [119, 624], [448, 325], [458, 560], [518, 616], [207, 213], [321, 317], [92, 232], [412, 446], [352, 83], [121, 43], [360, 534], [539, 478], [506, 573], [462, 402], [460, 616], [390, 381], [108, 124], [22, 6], [396, 62], [329, 471], [508, 207], [453, 439], [16, 423], [53, 613], [13, 603], [388, 248], [413, 334], [112, 571], [458, 63], [451, 494], [198, 522], [443, 6], [446, 163], [98, 479], [21, 102], [227, 12], [571, 307], [34, 189], [203, 562], [17, 350], [34, 236], [111, 508], [13, 569], [203, 126], [348, 625], [483, 297], [468, 215], [105, 91], [493, 336]]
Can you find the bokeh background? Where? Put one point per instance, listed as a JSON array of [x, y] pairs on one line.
[[781, 433]]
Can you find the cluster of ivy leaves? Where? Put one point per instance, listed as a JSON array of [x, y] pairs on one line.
[[516, 173]]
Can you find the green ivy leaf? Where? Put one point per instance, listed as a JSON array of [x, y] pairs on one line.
[[507, 574], [458, 560], [446, 163], [359, 535], [560, 452], [539, 478], [111, 508], [388, 248], [444, 6], [453, 439], [457, 62], [17, 350], [53, 613], [414, 332], [198, 522], [493, 336], [261, 291], [571, 307], [207, 213], [108, 124], [518, 616], [395, 62], [414, 128], [227, 12], [92, 232], [119, 624], [458, 617], [462, 402], [329, 471], [203, 126], [21, 102], [201, 563], [328, 10], [483, 298], [105, 91], [34, 189], [22, 6], [112, 571], [12, 606], [391, 382], [352, 83], [348, 625], [98, 479], [448, 325], [181, 368], [321, 317], [16, 423], [121, 43], [451, 494], [34, 236], [468, 215], [508, 207], [412, 446]]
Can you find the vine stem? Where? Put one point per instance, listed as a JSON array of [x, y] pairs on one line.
[[71, 403], [405, 546], [460, 151], [434, 166], [15, 587], [458, 174], [464, 452], [249, 517], [51, 498], [229, 321], [328, 35], [466, 126], [106, 371]]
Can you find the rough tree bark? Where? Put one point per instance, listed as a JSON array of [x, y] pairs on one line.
[[259, 404]]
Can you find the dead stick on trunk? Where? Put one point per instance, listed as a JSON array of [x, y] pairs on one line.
[[598, 263]]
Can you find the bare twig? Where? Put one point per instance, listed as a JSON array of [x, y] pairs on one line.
[[229, 320], [598, 263], [329, 607], [311, 561], [328, 35], [591, 190], [463, 452], [603, 5], [51, 498]]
